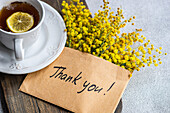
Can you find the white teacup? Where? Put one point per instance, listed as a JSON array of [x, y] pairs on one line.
[[21, 41]]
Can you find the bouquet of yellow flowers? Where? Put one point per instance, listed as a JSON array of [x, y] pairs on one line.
[[100, 35]]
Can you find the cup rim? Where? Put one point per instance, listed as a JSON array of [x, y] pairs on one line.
[[36, 27]]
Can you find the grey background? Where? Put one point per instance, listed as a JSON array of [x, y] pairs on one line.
[[149, 89]]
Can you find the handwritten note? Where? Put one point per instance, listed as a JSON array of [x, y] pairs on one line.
[[86, 85], [79, 82]]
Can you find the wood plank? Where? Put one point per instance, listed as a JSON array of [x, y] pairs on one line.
[[18, 102], [2, 101], [14, 101]]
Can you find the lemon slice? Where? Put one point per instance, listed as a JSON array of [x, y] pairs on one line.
[[20, 22]]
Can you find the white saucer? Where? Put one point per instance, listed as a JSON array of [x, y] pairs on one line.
[[48, 47]]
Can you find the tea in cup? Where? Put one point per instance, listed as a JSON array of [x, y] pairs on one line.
[[20, 23]]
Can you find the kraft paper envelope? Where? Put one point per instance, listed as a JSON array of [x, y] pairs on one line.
[[79, 82]]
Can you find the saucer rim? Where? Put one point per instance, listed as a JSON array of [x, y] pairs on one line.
[[50, 58]]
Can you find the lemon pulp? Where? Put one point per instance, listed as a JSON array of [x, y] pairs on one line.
[[20, 22]]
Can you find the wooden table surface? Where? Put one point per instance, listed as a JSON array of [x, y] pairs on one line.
[[14, 101]]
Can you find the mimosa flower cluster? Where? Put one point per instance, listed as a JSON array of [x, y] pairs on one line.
[[100, 35]]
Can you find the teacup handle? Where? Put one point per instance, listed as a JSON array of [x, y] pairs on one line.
[[18, 49]]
